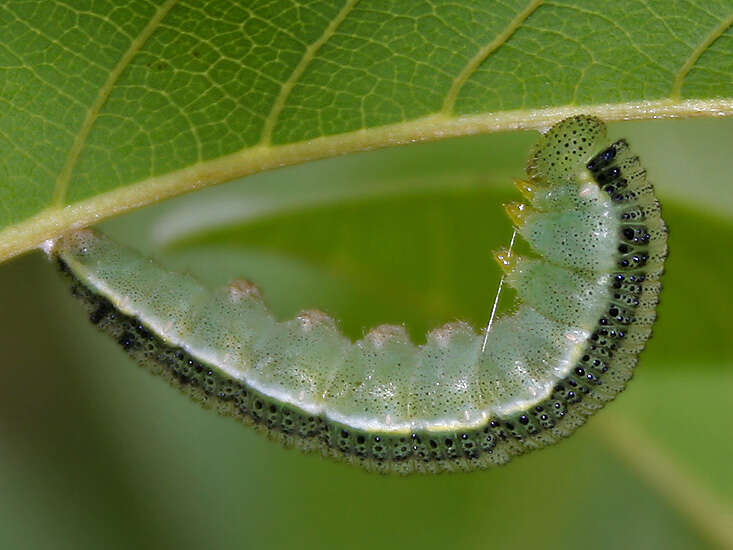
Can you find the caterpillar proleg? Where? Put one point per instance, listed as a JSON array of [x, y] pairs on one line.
[[587, 301]]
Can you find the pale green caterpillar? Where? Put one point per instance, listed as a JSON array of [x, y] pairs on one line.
[[463, 400]]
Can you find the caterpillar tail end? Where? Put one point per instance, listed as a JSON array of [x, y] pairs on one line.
[[74, 245], [75, 241]]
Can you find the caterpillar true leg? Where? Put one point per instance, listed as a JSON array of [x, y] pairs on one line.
[[492, 315], [460, 401]]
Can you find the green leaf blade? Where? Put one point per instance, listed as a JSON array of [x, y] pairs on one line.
[[112, 107]]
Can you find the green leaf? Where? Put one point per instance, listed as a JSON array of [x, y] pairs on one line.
[[109, 106]]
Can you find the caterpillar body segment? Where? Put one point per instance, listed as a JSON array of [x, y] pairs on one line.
[[465, 399]]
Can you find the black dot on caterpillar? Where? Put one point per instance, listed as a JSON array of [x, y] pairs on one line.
[[460, 401]]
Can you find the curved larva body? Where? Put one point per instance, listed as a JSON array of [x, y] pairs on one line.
[[588, 302]]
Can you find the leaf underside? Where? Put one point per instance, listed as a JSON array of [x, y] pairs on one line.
[[114, 105]]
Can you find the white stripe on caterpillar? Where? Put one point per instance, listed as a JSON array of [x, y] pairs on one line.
[[461, 401]]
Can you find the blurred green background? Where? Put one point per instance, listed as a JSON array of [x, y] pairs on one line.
[[96, 453]]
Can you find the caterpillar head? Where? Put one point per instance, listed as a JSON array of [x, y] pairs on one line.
[[562, 153], [568, 216]]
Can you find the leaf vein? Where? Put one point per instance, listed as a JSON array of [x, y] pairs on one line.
[[305, 61], [64, 176], [603, 17], [696, 53], [483, 54]]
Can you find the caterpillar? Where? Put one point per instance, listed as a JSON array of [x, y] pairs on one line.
[[464, 400]]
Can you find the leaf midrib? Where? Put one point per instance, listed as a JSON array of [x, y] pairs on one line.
[[56, 220]]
